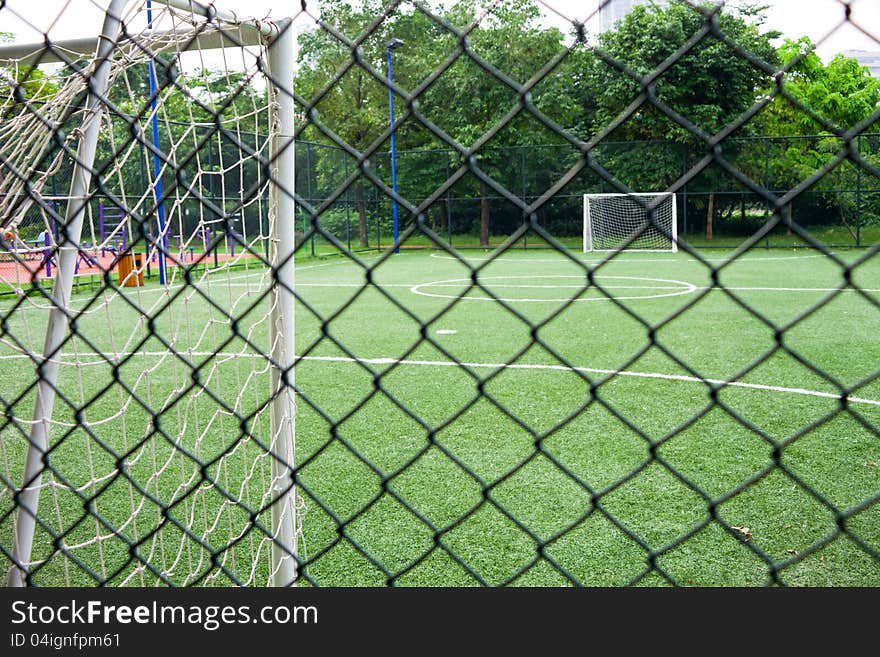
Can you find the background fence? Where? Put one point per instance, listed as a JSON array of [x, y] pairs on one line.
[[841, 209]]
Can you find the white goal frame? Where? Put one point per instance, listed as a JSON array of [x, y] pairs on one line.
[[588, 231], [279, 39]]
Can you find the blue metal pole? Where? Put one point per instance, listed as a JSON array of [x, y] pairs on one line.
[[157, 162], [394, 212]]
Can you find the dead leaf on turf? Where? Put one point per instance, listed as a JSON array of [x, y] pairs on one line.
[[744, 531]]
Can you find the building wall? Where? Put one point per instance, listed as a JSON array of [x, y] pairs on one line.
[[616, 10], [871, 59]]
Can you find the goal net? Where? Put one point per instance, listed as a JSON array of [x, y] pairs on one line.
[[643, 222], [145, 179]]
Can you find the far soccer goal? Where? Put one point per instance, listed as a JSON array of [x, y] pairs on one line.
[[638, 222]]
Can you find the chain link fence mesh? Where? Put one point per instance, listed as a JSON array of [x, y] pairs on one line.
[[477, 401]]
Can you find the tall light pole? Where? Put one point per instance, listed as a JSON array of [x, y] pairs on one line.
[[157, 161], [390, 48]]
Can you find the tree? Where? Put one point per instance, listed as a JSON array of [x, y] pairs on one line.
[[839, 94], [818, 99], [19, 83], [468, 101], [710, 84], [465, 101], [22, 88], [355, 107]]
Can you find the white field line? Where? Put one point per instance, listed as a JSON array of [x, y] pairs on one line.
[[594, 370], [680, 288], [218, 281], [504, 366], [671, 259], [340, 261], [790, 289], [218, 286], [490, 285], [209, 282]]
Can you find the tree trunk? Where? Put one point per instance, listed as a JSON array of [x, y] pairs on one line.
[[362, 214], [710, 214], [853, 233], [484, 214], [788, 219]]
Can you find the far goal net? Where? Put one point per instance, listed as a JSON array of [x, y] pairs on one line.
[[642, 222]]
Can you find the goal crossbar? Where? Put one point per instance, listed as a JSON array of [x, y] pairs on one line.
[[237, 31], [33, 54]]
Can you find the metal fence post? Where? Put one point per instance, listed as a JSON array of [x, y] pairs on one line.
[[347, 204], [767, 187], [684, 193], [859, 193], [522, 165], [448, 203], [309, 190]]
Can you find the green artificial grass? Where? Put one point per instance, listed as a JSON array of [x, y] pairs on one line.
[[562, 422]]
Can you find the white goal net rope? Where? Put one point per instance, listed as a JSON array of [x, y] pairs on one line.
[[161, 429], [645, 222]]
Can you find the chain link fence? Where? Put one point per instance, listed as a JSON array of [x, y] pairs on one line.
[[348, 332], [738, 212]]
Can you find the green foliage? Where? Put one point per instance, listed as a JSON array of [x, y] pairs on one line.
[[460, 87], [511, 41], [820, 97], [663, 74], [22, 84], [465, 102], [709, 84]]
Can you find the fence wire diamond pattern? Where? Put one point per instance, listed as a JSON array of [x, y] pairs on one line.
[[324, 300]]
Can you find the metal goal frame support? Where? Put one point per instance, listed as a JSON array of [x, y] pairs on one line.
[[281, 45]]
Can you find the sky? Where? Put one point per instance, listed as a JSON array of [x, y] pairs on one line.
[[821, 20]]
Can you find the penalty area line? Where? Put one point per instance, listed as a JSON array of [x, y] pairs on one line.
[[594, 370], [442, 363]]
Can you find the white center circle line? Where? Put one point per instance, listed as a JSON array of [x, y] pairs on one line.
[[670, 288]]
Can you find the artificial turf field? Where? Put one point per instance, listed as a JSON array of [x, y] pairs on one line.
[[563, 421]]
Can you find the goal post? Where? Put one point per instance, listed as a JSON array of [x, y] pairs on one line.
[[636, 221], [199, 373], [55, 332], [281, 61]]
